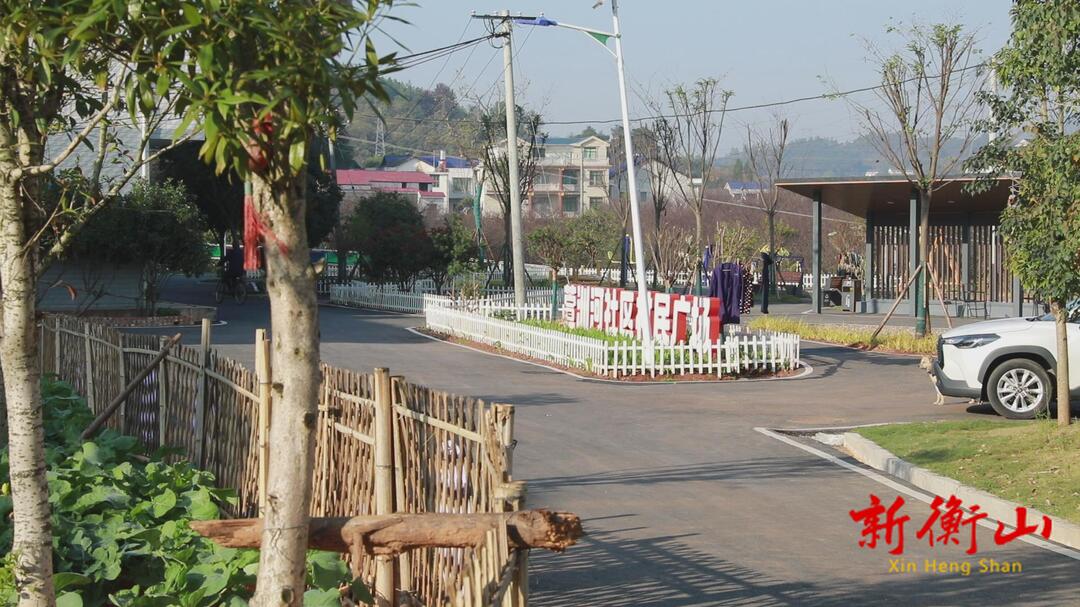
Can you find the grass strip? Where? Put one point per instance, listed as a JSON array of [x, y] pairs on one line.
[[896, 340], [1036, 464]]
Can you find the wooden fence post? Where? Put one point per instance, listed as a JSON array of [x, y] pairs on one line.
[[200, 396], [265, 379], [384, 481], [123, 380], [519, 586], [88, 384], [405, 558], [163, 394], [56, 352]]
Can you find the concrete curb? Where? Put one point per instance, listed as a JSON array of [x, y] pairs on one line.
[[873, 455]]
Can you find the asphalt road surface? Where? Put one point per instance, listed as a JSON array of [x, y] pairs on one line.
[[684, 502]]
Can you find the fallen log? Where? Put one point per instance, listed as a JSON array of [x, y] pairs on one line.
[[397, 533]]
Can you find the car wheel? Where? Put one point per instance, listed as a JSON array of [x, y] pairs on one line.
[[1020, 389]]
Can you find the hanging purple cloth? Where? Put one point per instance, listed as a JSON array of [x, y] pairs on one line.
[[726, 283]]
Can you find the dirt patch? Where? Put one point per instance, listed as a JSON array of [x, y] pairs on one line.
[[633, 379]]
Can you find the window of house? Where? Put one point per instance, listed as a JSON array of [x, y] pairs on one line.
[[436, 178], [595, 202], [461, 185], [570, 178], [589, 153], [596, 178], [538, 152], [571, 203]]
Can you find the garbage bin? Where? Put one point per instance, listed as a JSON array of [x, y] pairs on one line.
[[850, 289]]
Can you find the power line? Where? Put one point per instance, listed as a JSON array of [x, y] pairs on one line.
[[819, 97]]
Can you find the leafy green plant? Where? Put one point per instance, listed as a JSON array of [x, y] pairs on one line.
[[120, 533]]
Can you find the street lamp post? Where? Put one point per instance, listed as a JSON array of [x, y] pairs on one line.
[[602, 37]]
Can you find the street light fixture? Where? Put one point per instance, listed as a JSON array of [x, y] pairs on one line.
[[602, 37]]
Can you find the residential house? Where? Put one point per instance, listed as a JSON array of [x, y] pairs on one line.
[[741, 190], [357, 184], [645, 173], [454, 176], [571, 177]]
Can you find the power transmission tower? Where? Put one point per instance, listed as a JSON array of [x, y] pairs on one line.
[[380, 139]]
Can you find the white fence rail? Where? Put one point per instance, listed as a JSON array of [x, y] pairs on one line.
[[364, 296], [544, 344], [739, 353], [389, 297]]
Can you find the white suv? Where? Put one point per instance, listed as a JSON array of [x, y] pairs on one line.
[[1010, 362]]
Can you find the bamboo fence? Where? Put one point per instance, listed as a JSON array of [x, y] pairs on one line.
[[383, 446]]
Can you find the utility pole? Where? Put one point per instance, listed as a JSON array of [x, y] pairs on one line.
[[514, 182], [635, 213]]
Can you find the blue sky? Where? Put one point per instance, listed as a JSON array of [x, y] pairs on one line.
[[763, 50]]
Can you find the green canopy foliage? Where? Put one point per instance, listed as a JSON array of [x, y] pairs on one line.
[[155, 226], [1035, 124], [391, 238]]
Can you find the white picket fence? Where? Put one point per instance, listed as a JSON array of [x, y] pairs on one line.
[[389, 297], [740, 352], [366, 296], [544, 344]]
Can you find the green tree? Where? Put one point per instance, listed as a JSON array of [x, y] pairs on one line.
[[155, 225], [454, 252], [70, 72], [270, 78], [552, 243], [1040, 70], [592, 235], [390, 236], [219, 197]]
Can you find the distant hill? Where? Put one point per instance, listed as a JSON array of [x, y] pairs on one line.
[[822, 157]]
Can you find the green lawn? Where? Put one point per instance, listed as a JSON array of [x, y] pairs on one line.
[[896, 340], [1033, 463]]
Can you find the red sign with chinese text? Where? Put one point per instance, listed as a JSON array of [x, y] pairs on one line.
[[674, 319]]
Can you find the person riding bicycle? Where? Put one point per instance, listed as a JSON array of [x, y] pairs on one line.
[[233, 267]]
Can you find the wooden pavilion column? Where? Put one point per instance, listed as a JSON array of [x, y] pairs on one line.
[[868, 263], [913, 253], [816, 255]]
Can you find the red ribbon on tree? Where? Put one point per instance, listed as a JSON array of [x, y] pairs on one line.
[[253, 225], [252, 230]]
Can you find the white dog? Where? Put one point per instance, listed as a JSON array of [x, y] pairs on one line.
[[926, 364]]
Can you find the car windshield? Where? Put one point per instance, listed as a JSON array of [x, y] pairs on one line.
[[1074, 312]]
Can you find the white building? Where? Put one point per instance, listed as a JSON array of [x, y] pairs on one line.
[[645, 174], [452, 176], [571, 177]]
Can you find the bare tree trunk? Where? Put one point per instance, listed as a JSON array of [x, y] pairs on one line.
[[294, 325], [771, 215], [32, 545], [924, 257], [1061, 324], [507, 258]]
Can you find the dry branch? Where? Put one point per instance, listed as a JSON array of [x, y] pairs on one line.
[[100, 420], [397, 533]]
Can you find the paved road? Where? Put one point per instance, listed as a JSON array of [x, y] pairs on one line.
[[685, 504]]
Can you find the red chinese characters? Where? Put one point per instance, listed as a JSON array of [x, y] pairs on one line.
[[942, 526], [673, 319]]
